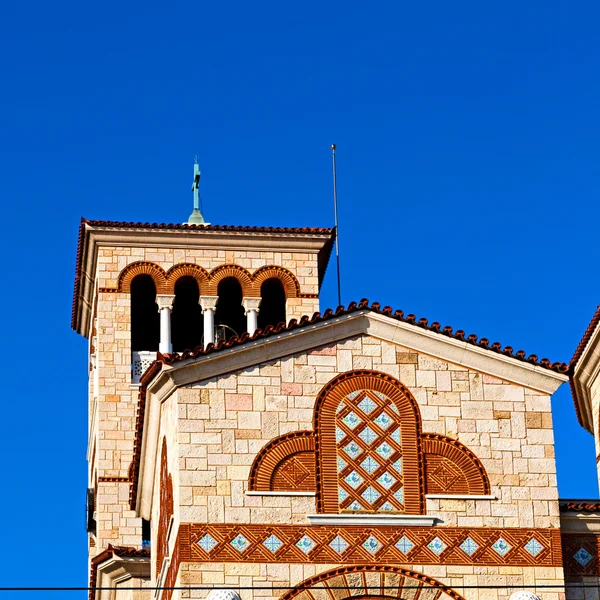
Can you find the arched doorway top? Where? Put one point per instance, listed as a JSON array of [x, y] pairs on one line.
[[371, 581]]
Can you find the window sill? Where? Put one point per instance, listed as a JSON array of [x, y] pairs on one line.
[[394, 520], [459, 497], [308, 494]]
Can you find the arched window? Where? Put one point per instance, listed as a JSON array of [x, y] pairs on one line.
[[368, 455], [229, 317], [272, 306], [186, 320], [145, 320]]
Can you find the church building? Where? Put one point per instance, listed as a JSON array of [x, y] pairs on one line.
[[246, 443]]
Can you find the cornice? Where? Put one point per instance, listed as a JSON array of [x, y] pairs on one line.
[[94, 234]]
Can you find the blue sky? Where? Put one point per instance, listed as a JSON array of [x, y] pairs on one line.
[[468, 169]]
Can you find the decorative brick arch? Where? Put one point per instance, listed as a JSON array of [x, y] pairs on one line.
[[142, 268], [187, 270], [371, 581], [166, 508], [219, 273], [385, 436], [451, 468], [287, 278], [286, 463]]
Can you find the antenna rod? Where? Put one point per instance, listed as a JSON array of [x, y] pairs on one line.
[[337, 229]]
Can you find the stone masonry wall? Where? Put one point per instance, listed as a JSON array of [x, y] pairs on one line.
[[508, 427], [116, 404], [224, 422]]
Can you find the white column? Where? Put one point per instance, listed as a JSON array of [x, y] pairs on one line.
[[209, 304], [165, 305], [251, 306]]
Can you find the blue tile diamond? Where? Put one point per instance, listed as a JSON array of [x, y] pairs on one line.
[[371, 495], [404, 545], [385, 450], [371, 544], [240, 543], [436, 546], [383, 421], [582, 556], [370, 464], [272, 543], [352, 449], [339, 544], [469, 546], [305, 544], [366, 405], [351, 420], [367, 435], [354, 479], [386, 480], [501, 546], [533, 547], [207, 543]]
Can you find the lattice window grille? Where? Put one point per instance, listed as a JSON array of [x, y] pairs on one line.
[[140, 361], [369, 453]]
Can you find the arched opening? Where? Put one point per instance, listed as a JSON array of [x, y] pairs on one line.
[[272, 306], [367, 431], [186, 320], [230, 319], [145, 320]]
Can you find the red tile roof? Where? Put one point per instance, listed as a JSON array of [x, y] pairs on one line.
[[306, 321], [105, 555], [585, 339], [176, 226], [577, 355], [375, 307], [579, 505]]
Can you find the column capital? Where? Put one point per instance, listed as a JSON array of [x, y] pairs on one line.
[[165, 301], [251, 304], [208, 302]]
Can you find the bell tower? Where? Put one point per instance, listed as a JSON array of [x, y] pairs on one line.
[[145, 288]]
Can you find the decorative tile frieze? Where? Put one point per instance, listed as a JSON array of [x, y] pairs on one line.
[[386, 545], [581, 554]]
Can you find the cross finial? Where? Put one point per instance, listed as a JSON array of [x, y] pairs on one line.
[[196, 217]]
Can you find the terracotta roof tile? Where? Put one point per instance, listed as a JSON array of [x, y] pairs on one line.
[[306, 321], [585, 339], [577, 355], [579, 505], [375, 307], [176, 226]]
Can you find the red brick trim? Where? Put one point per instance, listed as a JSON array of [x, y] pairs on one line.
[[140, 268], [324, 422], [359, 582], [448, 455], [287, 278], [387, 551], [187, 270], [274, 454], [113, 479], [166, 509], [222, 272]]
